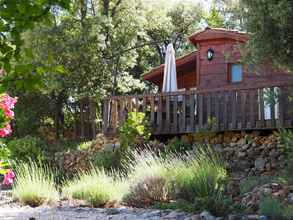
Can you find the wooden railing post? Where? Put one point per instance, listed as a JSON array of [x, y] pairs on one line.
[[105, 115], [167, 122]]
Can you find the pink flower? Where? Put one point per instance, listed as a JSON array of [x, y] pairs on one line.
[[5, 131], [8, 178], [7, 111], [8, 101]]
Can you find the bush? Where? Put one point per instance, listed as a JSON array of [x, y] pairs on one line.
[[147, 178], [248, 184], [272, 208], [133, 129], [26, 149], [108, 160], [34, 184], [179, 145], [200, 178], [147, 192], [286, 138], [180, 204], [96, 187]]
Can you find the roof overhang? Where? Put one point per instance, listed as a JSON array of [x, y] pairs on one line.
[[209, 34], [181, 62]]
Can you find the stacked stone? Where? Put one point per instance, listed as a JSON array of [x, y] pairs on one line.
[[251, 154]]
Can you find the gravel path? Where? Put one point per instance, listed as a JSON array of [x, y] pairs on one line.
[[14, 211], [68, 213]]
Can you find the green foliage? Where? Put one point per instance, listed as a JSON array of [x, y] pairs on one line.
[[4, 152], [108, 160], [180, 204], [201, 179], [26, 149], [16, 18], [248, 184], [272, 208], [34, 184], [134, 129], [214, 18], [179, 145], [270, 23], [96, 187], [286, 138]]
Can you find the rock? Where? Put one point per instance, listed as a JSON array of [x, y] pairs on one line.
[[207, 216], [260, 164], [234, 217], [241, 154], [290, 197]]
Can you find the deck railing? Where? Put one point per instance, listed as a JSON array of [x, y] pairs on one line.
[[192, 111]]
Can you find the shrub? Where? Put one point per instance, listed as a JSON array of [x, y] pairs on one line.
[[286, 138], [147, 178], [147, 192], [26, 149], [272, 208], [108, 160], [34, 184], [133, 129], [96, 187], [248, 184], [179, 145], [180, 204], [200, 178]]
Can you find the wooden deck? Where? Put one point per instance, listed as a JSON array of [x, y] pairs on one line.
[[191, 111]]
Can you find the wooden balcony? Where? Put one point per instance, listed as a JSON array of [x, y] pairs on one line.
[[217, 110]]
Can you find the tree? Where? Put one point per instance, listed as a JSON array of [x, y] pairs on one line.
[[271, 26], [17, 16]]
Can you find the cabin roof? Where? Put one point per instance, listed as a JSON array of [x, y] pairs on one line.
[[217, 33], [207, 34], [180, 61]]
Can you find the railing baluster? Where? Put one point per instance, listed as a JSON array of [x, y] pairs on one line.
[[217, 111], [272, 107], [200, 111], [225, 111], [183, 114], [175, 113], [234, 109], [167, 122], [261, 108], [152, 101], [209, 112], [105, 115], [243, 109], [281, 100], [252, 102], [192, 111], [159, 114]]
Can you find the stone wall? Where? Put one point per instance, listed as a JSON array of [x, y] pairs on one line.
[[250, 154]]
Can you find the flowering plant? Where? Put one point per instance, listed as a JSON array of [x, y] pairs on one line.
[[6, 114], [8, 173]]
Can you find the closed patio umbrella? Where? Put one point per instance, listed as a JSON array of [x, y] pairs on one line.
[[170, 76]]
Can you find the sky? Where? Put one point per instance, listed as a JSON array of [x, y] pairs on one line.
[[205, 3]]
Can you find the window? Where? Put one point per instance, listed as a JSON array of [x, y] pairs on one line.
[[235, 73]]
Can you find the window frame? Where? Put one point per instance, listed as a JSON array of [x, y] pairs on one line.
[[229, 75]]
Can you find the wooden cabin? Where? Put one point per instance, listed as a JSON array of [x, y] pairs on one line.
[[216, 91]]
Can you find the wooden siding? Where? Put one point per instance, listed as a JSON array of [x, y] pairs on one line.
[[191, 111]]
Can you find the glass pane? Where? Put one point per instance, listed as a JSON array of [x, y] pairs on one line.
[[236, 73]]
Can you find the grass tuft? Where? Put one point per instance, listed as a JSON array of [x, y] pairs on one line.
[[96, 187], [34, 184]]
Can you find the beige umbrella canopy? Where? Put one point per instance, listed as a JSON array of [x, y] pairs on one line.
[[170, 75]]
